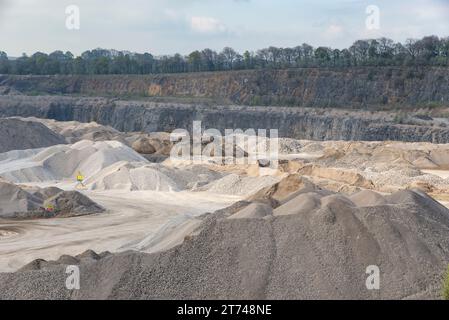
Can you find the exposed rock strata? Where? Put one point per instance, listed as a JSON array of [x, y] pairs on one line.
[[298, 123]]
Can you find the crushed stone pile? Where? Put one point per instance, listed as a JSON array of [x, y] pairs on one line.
[[382, 166], [315, 244], [366, 154], [190, 177], [64, 161], [131, 176], [72, 203], [74, 131], [17, 134], [18, 202], [150, 144], [105, 165], [276, 193], [234, 184]]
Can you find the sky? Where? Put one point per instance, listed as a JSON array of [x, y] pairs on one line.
[[182, 26]]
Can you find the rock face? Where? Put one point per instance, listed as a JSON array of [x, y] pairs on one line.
[[18, 134], [317, 250], [298, 123], [309, 87]]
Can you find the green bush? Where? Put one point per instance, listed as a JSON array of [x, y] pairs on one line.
[[446, 286]]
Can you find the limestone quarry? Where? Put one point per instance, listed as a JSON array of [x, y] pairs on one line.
[[90, 180]]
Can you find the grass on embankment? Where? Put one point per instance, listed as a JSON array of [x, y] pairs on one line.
[[445, 291]]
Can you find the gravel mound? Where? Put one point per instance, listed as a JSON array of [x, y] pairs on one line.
[[368, 198], [64, 161], [253, 211], [30, 203], [276, 193], [74, 131], [319, 253], [143, 146], [16, 134], [105, 165], [233, 184], [131, 176], [15, 200], [190, 177], [72, 203]]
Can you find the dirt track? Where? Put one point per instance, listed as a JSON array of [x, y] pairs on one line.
[[131, 218]]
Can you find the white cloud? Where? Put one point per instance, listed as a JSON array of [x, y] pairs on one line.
[[334, 30], [170, 26], [207, 25]]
